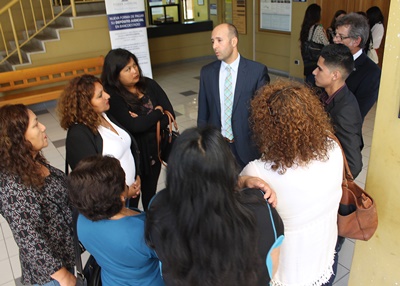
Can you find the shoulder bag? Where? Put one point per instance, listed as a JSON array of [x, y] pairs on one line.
[[91, 274], [357, 215], [166, 137], [311, 49]]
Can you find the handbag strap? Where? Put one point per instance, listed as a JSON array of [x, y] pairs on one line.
[[347, 176], [312, 34], [171, 122], [77, 248]]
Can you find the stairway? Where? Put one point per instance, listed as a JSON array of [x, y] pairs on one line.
[[50, 33]]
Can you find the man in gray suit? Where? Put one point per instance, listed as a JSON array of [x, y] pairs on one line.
[[226, 89]]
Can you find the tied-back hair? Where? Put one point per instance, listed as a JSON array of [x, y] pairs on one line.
[[74, 105], [311, 17], [15, 151], [95, 187], [214, 242], [290, 125], [114, 62]]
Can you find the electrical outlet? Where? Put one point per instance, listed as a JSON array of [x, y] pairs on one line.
[[296, 62]]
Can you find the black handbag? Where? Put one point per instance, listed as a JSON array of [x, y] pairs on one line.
[[91, 275], [312, 50], [166, 138], [310, 53]]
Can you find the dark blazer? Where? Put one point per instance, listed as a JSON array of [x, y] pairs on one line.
[[81, 143], [347, 122], [250, 77], [364, 83], [144, 126]]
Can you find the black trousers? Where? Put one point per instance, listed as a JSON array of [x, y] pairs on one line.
[[148, 186]]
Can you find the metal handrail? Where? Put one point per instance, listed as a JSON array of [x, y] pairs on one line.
[[12, 35]]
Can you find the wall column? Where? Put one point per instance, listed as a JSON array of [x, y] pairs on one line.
[[377, 261]]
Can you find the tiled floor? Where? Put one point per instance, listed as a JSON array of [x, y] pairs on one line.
[[181, 83]]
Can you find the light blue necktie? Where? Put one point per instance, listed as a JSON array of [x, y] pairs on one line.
[[228, 102]]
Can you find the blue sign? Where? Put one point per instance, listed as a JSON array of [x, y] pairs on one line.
[[126, 21]]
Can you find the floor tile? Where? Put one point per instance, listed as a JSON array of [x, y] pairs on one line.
[[6, 230], [340, 273], [59, 143], [15, 266], [12, 247], [344, 281], [189, 92], [3, 250], [6, 275], [346, 254]]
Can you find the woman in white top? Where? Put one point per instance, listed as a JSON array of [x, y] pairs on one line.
[[304, 167], [375, 20], [82, 108]]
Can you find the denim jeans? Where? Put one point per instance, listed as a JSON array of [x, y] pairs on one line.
[[51, 283], [55, 282]]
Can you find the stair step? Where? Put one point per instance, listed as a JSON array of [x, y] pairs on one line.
[[45, 37]]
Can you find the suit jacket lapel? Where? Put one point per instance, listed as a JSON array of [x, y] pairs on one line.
[[240, 82], [215, 86]]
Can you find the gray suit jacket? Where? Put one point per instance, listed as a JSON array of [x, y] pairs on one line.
[[251, 76]]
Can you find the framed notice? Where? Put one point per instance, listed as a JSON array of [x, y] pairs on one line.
[[239, 15], [276, 15], [127, 26]]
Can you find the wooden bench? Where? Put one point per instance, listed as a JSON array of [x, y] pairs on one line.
[[39, 84]]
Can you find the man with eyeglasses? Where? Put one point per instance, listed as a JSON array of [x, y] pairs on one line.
[[352, 30]]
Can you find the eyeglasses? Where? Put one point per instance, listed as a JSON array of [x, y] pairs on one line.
[[340, 36]]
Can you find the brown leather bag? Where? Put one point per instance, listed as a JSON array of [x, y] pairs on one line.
[[357, 215], [166, 138]]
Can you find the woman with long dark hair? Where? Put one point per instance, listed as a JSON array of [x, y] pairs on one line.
[[331, 31], [34, 200], [311, 30], [138, 103], [204, 230], [375, 21]]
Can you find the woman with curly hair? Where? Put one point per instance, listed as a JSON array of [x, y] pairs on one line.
[[82, 110], [34, 200], [305, 168], [112, 233], [138, 103]]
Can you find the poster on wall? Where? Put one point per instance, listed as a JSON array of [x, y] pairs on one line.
[[127, 26], [276, 15]]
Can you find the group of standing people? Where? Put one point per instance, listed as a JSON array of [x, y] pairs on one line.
[[201, 229], [312, 30]]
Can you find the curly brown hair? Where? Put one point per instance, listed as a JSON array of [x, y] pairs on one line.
[[74, 105], [290, 125], [15, 150]]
